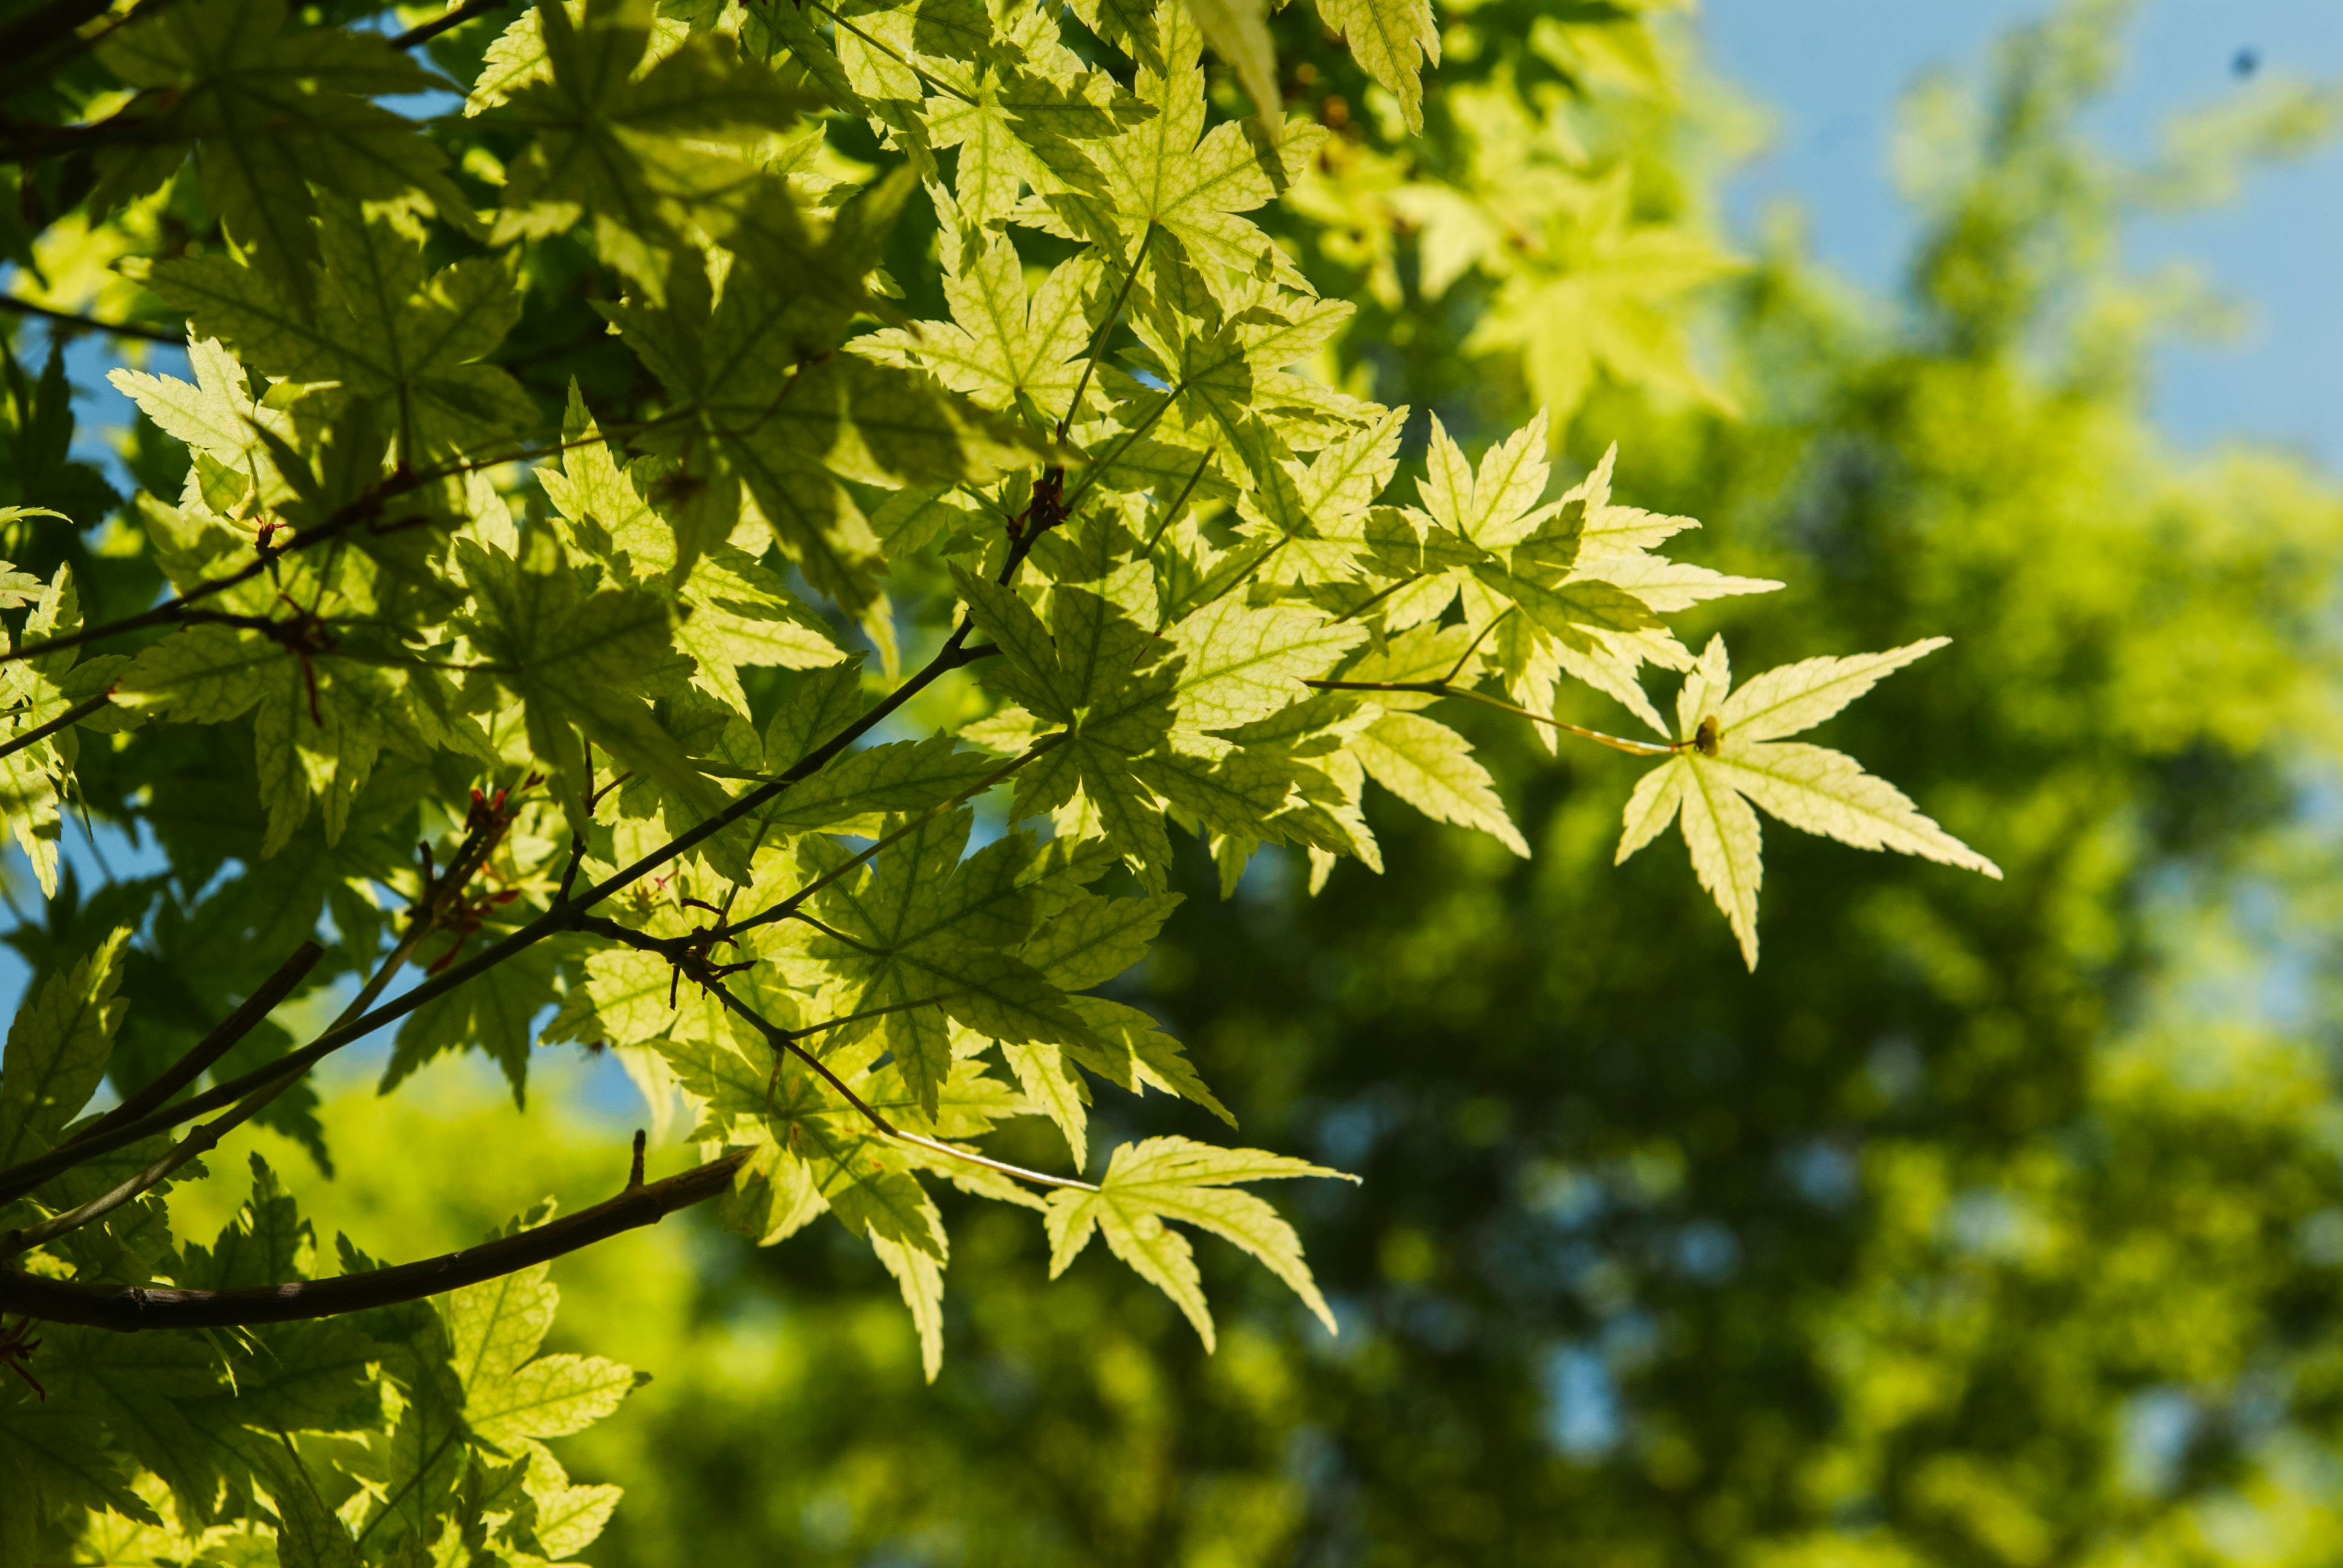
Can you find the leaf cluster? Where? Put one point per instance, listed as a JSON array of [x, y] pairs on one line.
[[810, 714]]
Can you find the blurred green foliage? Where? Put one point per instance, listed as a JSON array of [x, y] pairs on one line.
[[1986, 1223]]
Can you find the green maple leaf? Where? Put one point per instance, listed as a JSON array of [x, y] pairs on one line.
[[492, 1014], [308, 1534], [1241, 663], [1224, 386], [146, 1390], [569, 1518], [1486, 525], [1086, 941], [1003, 341], [1162, 1179], [734, 610], [1169, 173], [813, 1151], [270, 112], [624, 141], [375, 322], [512, 1395], [774, 419], [1601, 292], [36, 780], [59, 1046], [218, 417], [1731, 755], [578, 660], [1237, 31], [1111, 687], [1018, 127], [1127, 24], [320, 719], [923, 933], [54, 1458], [1390, 39], [905, 776], [1431, 767]]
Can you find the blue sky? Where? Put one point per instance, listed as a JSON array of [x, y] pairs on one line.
[[1830, 73]]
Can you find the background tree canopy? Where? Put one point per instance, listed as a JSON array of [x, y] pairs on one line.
[[1986, 1221]]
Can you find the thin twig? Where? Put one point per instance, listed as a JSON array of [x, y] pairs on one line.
[[346, 517], [780, 1039], [424, 32], [789, 906], [9, 302], [1106, 329], [478, 844], [1439, 689], [24, 1175], [65, 720], [213, 1046]]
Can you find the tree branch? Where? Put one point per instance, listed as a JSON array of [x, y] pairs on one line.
[[65, 720], [486, 829], [9, 302], [212, 1047], [424, 32], [27, 1175], [127, 1307]]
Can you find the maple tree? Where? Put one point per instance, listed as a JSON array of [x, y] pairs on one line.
[[792, 692]]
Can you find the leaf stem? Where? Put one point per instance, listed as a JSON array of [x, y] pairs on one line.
[[781, 1040], [1172, 512], [893, 53], [1106, 328], [1441, 688]]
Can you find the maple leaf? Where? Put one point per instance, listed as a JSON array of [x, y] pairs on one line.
[[1162, 1179], [375, 322], [1003, 341], [624, 137], [1730, 755], [270, 113]]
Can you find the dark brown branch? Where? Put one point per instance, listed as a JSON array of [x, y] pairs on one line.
[[212, 1047], [46, 26], [127, 1307], [65, 720], [424, 32], [91, 323]]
